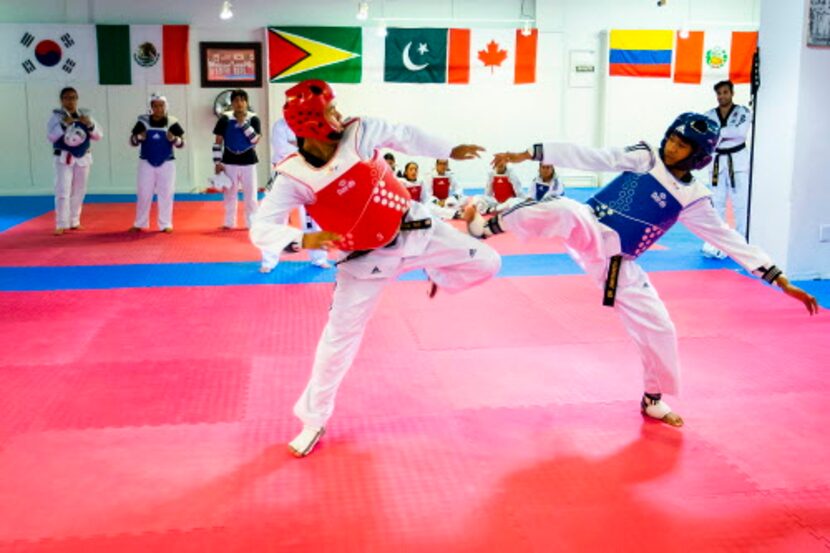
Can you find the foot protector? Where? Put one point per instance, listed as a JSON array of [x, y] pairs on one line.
[[652, 405], [305, 441]]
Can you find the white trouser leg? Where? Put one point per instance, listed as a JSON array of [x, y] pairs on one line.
[[455, 261], [559, 218], [647, 321], [63, 190], [230, 196], [80, 176], [352, 306], [248, 179], [740, 200], [165, 189], [637, 303], [269, 260], [146, 183]]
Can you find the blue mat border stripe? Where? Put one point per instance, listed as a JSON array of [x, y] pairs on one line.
[[681, 255]]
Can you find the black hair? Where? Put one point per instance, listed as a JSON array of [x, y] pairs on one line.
[[65, 90], [389, 156], [239, 93], [728, 83], [405, 167]]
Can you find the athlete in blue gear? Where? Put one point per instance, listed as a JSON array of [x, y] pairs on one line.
[[605, 236]]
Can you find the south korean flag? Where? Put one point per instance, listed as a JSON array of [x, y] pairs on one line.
[[61, 53]]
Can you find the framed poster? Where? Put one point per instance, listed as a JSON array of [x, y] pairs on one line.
[[231, 64], [819, 32]]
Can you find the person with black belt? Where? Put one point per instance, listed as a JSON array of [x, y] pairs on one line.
[[367, 213], [622, 220], [729, 172]]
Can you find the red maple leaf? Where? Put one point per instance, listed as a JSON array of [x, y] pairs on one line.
[[492, 56]]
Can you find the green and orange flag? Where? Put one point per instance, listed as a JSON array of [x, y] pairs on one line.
[[333, 54]]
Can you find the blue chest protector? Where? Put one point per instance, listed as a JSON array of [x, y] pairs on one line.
[[80, 130], [540, 191], [156, 149], [638, 207], [235, 139]]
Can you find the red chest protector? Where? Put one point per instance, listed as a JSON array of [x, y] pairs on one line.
[[441, 187], [414, 189], [356, 198], [502, 188]]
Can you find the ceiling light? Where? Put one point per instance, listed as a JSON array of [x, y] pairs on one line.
[[226, 12], [362, 11]]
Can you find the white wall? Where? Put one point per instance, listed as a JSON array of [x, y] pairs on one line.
[[792, 157], [511, 117]]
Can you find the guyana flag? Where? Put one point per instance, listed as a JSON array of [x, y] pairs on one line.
[[333, 54]]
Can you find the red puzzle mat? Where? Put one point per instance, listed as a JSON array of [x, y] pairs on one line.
[[500, 419]]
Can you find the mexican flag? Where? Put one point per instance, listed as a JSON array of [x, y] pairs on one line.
[[59, 53], [143, 54], [333, 54]]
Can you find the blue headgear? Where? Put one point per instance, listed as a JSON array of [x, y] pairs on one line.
[[699, 131]]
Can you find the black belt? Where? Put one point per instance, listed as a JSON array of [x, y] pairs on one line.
[[716, 167], [610, 293], [417, 224]]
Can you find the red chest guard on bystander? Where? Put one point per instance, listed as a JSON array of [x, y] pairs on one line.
[[503, 188]]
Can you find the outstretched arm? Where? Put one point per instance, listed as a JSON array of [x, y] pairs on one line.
[[703, 220], [638, 157], [377, 133]]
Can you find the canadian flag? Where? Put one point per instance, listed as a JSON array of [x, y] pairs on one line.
[[478, 56], [714, 56]]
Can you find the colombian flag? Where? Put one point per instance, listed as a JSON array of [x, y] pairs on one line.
[[640, 53]]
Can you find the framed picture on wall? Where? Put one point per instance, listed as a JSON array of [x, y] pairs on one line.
[[231, 64], [819, 32]]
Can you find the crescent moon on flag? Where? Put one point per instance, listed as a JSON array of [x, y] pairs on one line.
[[407, 61]]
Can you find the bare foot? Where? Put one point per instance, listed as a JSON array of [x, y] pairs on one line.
[[59, 231], [673, 419], [134, 229], [265, 270], [167, 230], [660, 410], [77, 227]]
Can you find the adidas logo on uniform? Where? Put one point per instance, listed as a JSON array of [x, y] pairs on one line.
[[473, 252], [375, 270]]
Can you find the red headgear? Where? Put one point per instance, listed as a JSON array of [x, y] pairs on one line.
[[305, 109]]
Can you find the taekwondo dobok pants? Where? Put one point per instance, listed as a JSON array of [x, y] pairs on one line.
[[242, 177], [70, 190], [452, 260], [642, 311], [161, 181]]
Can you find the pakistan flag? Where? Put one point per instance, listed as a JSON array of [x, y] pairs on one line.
[[416, 56]]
